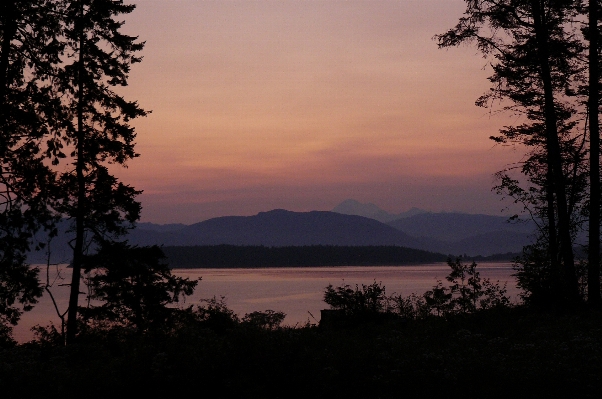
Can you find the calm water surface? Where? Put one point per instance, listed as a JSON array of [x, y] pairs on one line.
[[296, 291]]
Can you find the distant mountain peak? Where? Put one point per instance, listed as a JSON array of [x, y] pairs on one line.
[[372, 211]]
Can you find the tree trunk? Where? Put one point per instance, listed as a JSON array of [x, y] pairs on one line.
[[568, 289], [81, 195], [593, 275], [552, 235]]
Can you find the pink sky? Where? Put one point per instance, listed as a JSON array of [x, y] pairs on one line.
[[302, 104]]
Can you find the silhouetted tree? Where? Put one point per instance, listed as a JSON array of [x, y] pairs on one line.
[[95, 129], [535, 57], [267, 319], [467, 293], [134, 286], [593, 108], [369, 299], [29, 52]]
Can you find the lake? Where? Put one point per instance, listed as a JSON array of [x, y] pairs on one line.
[[298, 292]]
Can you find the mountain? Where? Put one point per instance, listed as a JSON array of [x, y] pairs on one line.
[[495, 242], [448, 233], [457, 226], [61, 252], [452, 233], [281, 228], [59, 247], [161, 228], [369, 210], [471, 234]]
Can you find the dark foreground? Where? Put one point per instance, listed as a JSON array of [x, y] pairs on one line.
[[505, 353]]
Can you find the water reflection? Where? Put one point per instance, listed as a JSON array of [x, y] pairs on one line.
[[296, 291]]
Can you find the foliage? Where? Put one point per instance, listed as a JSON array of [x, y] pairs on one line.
[[356, 301], [97, 127], [134, 286], [493, 296], [61, 124], [437, 300], [6, 339], [592, 35], [267, 319], [18, 285], [94, 129], [470, 292], [213, 313], [467, 293], [414, 306], [534, 278], [505, 352], [536, 54], [27, 53], [534, 275], [48, 335]]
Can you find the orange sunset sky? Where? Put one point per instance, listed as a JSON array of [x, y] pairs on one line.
[[300, 105]]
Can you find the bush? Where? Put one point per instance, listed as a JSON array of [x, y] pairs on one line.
[[266, 320], [215, 315], [467, 293], [368, 299]]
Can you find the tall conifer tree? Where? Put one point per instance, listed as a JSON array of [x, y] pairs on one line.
[[97, 129], [534, 58], [593, 278]]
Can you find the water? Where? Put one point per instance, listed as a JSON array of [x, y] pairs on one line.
[[296, 291]]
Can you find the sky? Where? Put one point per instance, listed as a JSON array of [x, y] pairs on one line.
[[296, 104]]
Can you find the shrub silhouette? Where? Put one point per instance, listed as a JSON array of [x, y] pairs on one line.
[[467, 293], [367, 299], [267, 320]]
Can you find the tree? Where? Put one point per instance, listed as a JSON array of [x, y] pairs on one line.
[[467, 293], [267, 320], [367, 300], [134, 286], [28, 53], [593, 108], [534, 55], [95, 129]]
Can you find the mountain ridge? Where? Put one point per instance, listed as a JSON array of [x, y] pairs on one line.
[[448, 233], [370, 210], [280, 227]]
